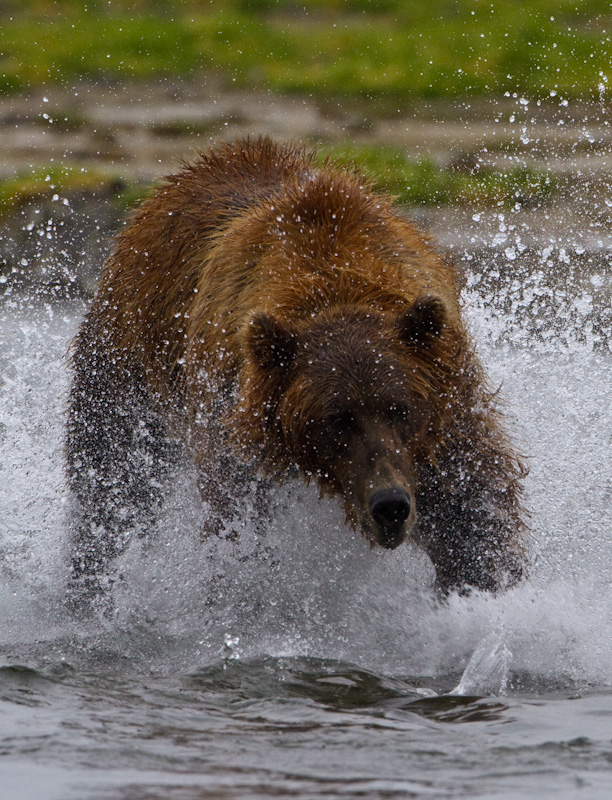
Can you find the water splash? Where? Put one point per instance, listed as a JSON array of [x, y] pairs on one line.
[[311, 587], [487, 670]]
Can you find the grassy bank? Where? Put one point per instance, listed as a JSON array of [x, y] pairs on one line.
[[394, 48], [55, 183], [413, 182], [419, 181]]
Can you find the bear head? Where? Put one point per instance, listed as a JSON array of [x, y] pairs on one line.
[[354, 398]]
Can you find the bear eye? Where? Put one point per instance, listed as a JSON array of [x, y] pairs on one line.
[[398, 412], [342, 422]]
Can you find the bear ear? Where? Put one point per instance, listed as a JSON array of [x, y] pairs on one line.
[[423, 322], [271, 343]]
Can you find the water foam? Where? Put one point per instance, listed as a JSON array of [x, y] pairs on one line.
[[311, 586]]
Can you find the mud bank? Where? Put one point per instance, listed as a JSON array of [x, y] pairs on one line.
[[545, 258]]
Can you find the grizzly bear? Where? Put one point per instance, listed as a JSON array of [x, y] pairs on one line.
[[263, 316]]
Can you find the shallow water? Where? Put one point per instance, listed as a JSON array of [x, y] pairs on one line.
[[304, 664]]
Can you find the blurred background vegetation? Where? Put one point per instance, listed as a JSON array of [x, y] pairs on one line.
[[375, 54], [439, 48]]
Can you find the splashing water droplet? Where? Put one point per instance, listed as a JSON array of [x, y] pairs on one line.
[[487, 670]]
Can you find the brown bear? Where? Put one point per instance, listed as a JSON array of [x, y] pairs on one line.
[[265, 316]]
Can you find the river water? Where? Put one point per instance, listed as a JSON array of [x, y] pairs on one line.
[[303, 664]]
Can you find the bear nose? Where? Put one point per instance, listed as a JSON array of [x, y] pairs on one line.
[[390, 508]]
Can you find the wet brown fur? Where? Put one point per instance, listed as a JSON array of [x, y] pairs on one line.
[[242, 277]]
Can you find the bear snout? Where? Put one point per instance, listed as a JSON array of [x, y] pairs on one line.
[[390, 508]]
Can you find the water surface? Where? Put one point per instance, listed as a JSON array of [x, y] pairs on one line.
[[303, 664]]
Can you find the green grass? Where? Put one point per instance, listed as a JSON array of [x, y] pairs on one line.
[[419, 181], [46, 183], [412, 181], [359, 48]]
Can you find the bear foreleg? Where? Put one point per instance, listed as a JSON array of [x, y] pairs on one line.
[[118, 456], [471, 517]]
